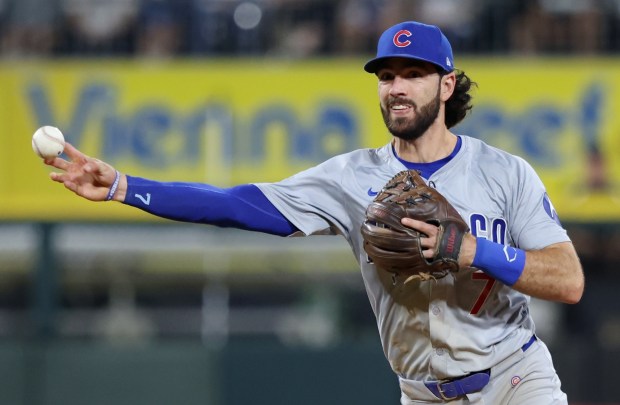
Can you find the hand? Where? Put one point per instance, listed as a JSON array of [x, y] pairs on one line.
[[429, 241], [429, 232], [86, 176]]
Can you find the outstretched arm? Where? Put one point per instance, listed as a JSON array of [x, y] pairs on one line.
[[243, 207], [553, 273]]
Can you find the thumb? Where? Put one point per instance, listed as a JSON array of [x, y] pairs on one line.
[[102, 171]]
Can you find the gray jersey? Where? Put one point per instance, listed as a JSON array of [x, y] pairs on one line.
[[462, 323]]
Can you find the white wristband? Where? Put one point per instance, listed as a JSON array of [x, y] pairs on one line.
[[114, 187]]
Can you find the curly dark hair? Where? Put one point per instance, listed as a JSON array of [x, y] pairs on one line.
[[459, 104]]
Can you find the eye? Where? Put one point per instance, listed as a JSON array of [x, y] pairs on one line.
[[414, 74], [385, 76]]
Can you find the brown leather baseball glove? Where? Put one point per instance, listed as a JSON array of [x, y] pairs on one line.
[[396, 248]]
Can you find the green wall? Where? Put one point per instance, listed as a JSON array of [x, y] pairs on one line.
[[163, 373]]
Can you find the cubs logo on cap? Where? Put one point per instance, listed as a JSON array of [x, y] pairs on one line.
[[413, 40], [398, 38]]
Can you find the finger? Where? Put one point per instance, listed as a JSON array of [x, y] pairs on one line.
[[73, 153], [95, 166], [428, 253], [420, 226], [427, 243], [71, 186], [58, 177], [58, 163], [90, 167]]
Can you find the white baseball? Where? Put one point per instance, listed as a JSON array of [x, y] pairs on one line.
[[48, 142]]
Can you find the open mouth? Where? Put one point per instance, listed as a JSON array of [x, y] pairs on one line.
[[400, 107]]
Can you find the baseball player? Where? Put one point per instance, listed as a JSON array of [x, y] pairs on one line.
[[467, 338]]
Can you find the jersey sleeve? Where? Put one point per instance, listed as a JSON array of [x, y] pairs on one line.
[[312, 199], [243, 206], [534, 223]]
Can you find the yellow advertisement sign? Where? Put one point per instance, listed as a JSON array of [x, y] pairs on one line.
[[243, 121]]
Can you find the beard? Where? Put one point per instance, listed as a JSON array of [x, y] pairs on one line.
[[410, 129]]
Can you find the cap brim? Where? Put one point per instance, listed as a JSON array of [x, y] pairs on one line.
[[374, 64]]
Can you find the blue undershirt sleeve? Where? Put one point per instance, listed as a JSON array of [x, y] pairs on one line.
[[243, 207]]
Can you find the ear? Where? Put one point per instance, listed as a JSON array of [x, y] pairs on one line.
[[447, 85]]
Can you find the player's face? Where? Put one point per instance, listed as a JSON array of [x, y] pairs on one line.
[[409, 97]]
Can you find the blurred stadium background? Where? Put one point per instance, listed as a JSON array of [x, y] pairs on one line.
[[102, 304]]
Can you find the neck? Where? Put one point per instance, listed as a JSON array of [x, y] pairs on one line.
[[430, 147]]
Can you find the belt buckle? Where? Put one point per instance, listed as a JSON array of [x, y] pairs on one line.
[[443, 394]]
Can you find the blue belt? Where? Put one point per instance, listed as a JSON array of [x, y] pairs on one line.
[[473, 382]]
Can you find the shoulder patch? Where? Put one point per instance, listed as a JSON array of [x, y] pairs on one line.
[[549, 209]]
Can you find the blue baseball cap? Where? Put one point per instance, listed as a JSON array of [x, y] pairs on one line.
[[413, 40]]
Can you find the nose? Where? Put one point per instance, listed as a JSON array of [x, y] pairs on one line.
[[399, 86]]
